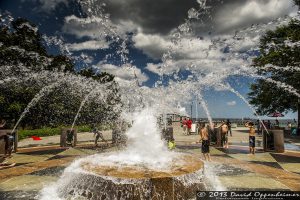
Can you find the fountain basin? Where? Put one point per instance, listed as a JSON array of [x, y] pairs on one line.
[[180, 181]]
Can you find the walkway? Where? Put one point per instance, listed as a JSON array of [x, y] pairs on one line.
[[237, 170], [234, 168]]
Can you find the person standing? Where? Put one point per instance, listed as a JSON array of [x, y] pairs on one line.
[[184, 126], [224, 134], [250, 125], [98, 135], [204, 136], [189, 126], [229, 127]]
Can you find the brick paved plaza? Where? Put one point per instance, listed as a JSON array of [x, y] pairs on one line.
[[234, 167]]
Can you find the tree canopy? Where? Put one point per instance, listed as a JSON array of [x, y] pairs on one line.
[[279, 62], [22, 54]]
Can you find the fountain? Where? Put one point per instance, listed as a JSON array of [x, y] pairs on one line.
[[145, 169]]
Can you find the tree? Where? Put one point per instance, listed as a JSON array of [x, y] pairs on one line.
[[21, 50], [278, 60]]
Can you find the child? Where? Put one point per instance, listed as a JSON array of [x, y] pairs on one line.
[[171, 144], [98, 135], [250, 125]]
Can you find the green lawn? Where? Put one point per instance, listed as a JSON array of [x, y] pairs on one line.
[[48, 131]]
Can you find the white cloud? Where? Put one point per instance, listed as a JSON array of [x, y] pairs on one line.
[[97, 27], [198, 56], [85, 27], [123, 73], [231, 103], [88, 45], [245, 44], [252, 12], [151, 44], [153, 68], [189, 53]]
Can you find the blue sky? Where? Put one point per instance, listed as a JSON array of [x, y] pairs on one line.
[[149, 27]]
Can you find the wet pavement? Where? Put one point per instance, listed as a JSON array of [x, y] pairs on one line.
[[234, 168]]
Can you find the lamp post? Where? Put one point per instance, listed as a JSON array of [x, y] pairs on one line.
[[196, 110], [192, 110]]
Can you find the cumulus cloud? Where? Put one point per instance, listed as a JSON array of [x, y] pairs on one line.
[[97, 27], [162, 16], [123, 73], [236, 15], [231, 103], [88, 45], [154, 68], [152, 26], [154, 16], [152, 45], [92, 27], [151, 31], [198, 55]]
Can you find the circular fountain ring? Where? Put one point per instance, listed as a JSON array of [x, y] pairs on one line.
[[188, 165], [180, 181]]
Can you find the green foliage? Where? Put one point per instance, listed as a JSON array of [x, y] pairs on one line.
[[278, 48], [21, 45]]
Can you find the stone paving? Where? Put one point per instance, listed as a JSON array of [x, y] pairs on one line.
[[234, 168]]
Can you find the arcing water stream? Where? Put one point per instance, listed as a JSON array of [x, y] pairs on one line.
[[190, 66]]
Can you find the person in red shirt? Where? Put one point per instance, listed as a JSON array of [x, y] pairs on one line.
[[184, 126], [189, 125]]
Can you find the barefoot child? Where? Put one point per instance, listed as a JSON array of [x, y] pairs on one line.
[[250, 125], [204, 136], [98, 135]]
